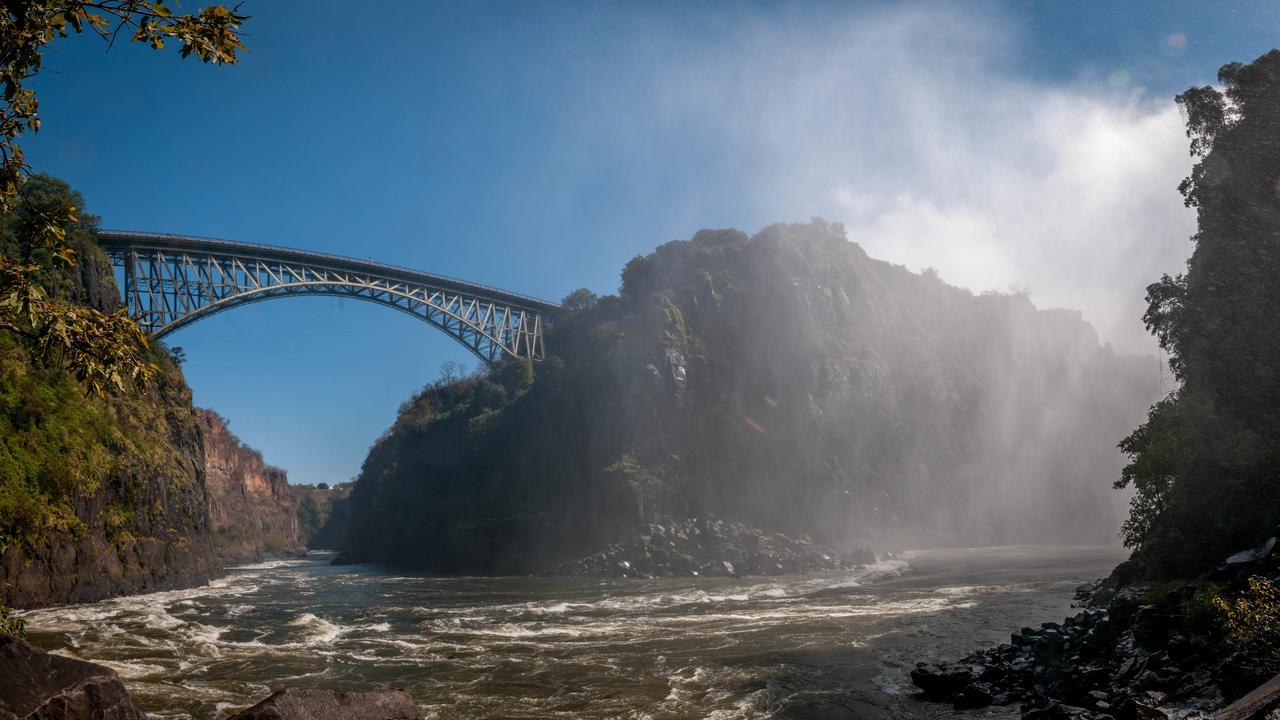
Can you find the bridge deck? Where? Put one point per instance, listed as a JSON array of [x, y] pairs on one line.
[[120, 239]]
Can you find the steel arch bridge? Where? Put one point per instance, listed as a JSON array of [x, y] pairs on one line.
[[171, 281]]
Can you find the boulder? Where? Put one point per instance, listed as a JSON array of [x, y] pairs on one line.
[[1261, 704], [1242, 564], [36, 685], [942, 682], [294, 704]]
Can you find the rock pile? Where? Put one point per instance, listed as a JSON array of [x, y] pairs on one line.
[[1131, 652], [715, 548]]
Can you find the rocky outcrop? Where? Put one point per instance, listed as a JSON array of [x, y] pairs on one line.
[[1131, 652], [252, 514], [787, 382], [711, 547], [142, 527], [330, 705], [41, 686]]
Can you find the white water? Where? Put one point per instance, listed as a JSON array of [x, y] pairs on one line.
[[832, 645]]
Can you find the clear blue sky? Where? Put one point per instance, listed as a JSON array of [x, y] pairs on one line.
[[539, 146]]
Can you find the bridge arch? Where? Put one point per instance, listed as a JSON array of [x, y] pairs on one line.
[[172, 281]]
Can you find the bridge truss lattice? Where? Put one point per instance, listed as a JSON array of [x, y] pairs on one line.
[[171, 281]]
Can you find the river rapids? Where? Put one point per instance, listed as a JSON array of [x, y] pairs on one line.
[[814, 646]]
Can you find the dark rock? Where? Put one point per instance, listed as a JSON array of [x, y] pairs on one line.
[[1151, 626], [942, 682], [1133, 710], [331, 705], [974, 696], [342, 559], [39, 686], [1242, 564]]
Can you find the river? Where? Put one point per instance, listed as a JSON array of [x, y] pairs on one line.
[[814, 646]]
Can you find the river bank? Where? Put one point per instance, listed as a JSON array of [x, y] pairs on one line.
[[1137, 649], [811, 646]]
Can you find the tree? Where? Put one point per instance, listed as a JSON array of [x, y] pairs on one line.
[[103, 350], [579, 300], [1205, 464], [451, 371]]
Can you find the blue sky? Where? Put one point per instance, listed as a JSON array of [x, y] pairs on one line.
[[539, 146]]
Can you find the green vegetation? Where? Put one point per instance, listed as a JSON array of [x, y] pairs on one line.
[[1252, 621], [10, 624], [322, 514], [58, 443], [1205, 463], [104, 350]]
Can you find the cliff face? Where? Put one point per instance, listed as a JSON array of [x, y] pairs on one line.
[[322, 515], [251, 511], [103, 496], [98, 496], [785, 381]]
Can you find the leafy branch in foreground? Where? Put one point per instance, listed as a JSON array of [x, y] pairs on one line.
[[103, 350]]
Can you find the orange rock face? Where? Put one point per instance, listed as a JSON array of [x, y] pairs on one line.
[[251, 515]]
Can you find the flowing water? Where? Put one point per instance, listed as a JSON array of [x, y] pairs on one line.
[[814, 646]]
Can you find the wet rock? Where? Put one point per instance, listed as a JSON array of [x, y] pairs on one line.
[[975, 695], [942, 682], [35, 685], [1134, 710], [330, 705], [1239, 566], [1261, 704]]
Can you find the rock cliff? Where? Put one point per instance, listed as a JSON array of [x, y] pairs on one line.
[[785, 381], [99, 496], [252, 513], [103, 496]]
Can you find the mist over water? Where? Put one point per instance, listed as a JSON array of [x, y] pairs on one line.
[[539, 647]]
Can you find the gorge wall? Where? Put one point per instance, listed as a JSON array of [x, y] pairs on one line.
[[785, 381], [252, 513], [103, 496], [99, 496]]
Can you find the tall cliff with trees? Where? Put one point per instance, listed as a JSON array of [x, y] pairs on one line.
[[1206, 462], [787, 382], [116, 492], [100, 494]]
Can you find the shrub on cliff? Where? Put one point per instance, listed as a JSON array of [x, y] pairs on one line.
[[11, 624], [1253, 624], [1206, 464]]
